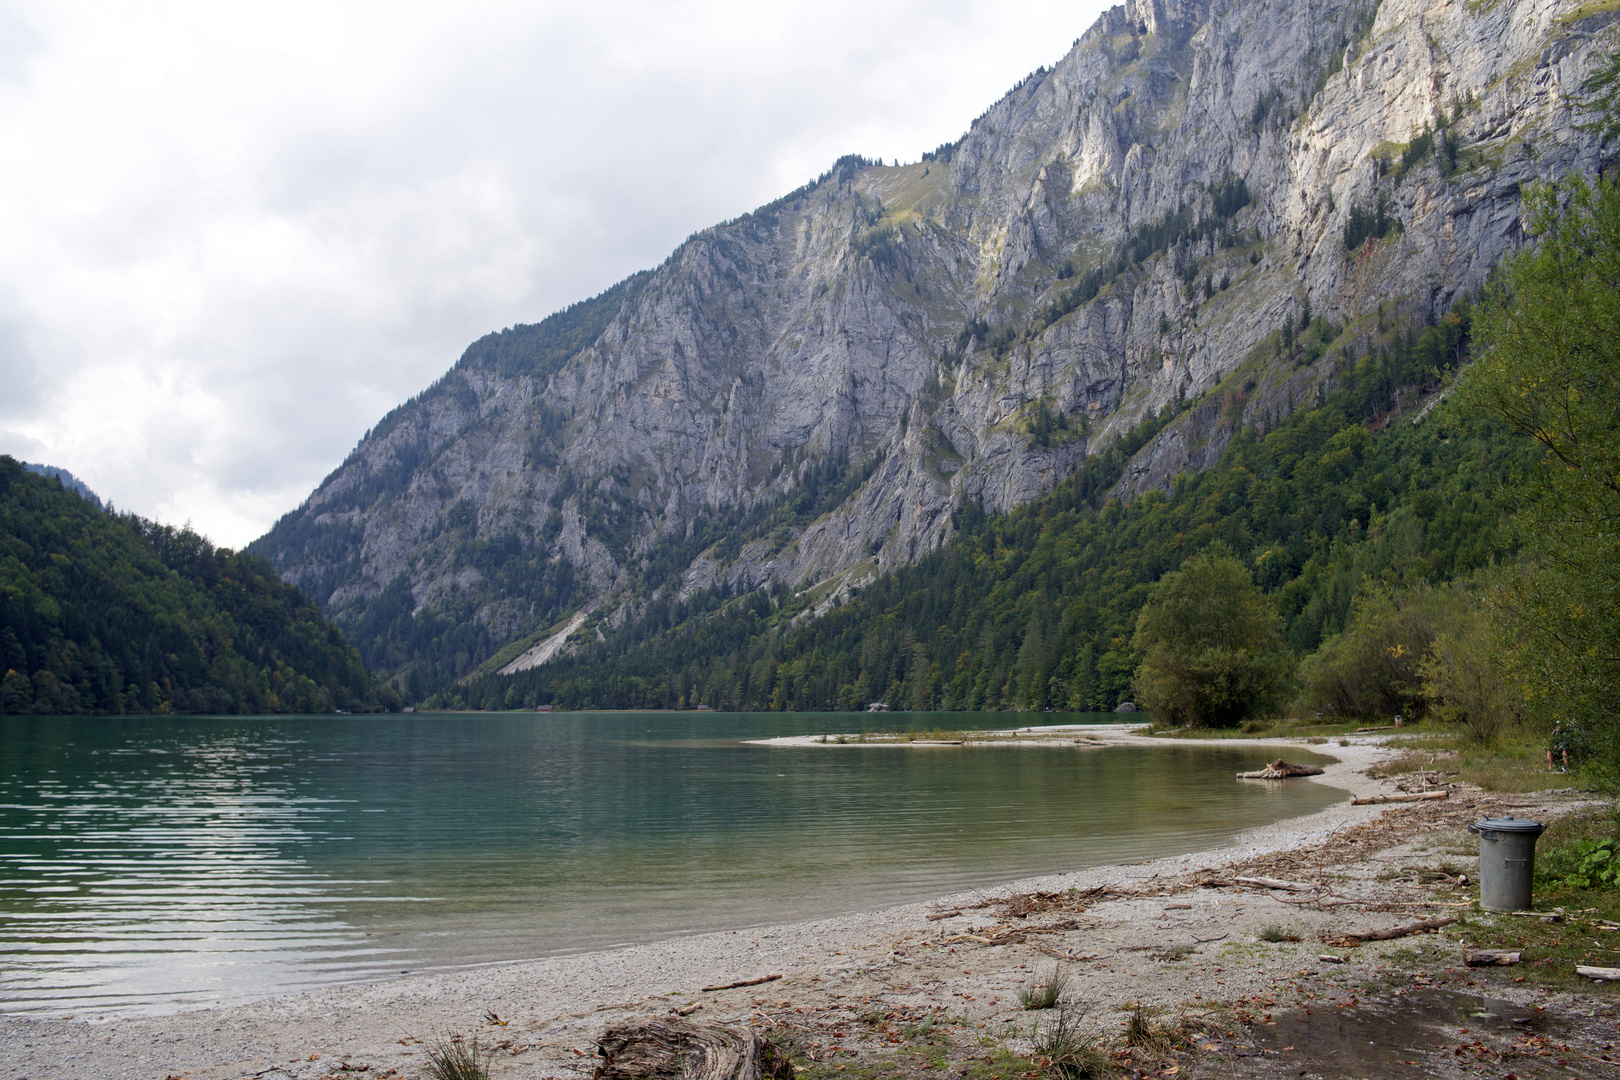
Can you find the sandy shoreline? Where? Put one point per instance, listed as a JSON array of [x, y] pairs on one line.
[[896, 957]]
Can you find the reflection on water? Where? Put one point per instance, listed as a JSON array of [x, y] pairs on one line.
[[158, 862]]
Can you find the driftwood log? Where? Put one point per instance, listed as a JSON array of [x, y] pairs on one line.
[[1419, 927], [1275, 883], [682, 1050], [1606, 974], [1491, 957], [1280, 770], [1418, 796]]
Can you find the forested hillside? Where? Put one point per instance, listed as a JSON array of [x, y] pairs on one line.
[[116, 614], [1035, 609]]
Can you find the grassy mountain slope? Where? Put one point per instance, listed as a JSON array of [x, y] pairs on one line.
[[115, 614]]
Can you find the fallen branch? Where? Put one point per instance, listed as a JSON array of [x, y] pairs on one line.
[[1280, 770], [942, 915], [1059, 954], [1275, 883], [1323, 902], [1609, 974], [1420, 796], [741, 982], [1490, 957], [1419, 927]]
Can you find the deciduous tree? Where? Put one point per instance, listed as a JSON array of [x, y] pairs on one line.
[[1211, 645]]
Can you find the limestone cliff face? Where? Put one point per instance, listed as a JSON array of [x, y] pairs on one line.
[[806, 394]]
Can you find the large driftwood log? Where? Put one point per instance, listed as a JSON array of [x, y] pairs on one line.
[[1421, 926], [1606, 974], [1280, 770], [1419, 796], [682, 1050]]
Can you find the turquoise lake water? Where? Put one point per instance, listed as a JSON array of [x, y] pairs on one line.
[[155, 863]]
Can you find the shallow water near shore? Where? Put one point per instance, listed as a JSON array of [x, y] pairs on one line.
[[155, 863]]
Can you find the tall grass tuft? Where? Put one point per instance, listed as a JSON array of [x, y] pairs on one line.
[[457, 1059], [1065, 1052], [1144, 1033], [1045, 993]]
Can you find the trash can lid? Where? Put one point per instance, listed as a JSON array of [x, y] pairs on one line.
[[1508, 825]]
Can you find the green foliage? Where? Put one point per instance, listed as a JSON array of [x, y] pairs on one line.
[[1372, 668], [1466, 686], [880, 244], [115, 614], [1046, 425], [1597, 864], [1365, 223], [1212, 654], [1269, 104], [1549, 369], [1415, 152], [1036, 609], [1603, 99]]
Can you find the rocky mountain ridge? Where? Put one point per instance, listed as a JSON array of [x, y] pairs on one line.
[[1200, 208]]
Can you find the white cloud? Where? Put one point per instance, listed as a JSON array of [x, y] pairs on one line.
[[232, 236]]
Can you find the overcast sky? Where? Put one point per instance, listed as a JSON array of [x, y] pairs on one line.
[[233, 235]]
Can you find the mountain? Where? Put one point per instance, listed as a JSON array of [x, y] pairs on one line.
[[1189, 226], [1036, 608], [69, 481], [103, 613]]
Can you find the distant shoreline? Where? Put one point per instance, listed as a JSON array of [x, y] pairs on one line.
[[1052, 735]]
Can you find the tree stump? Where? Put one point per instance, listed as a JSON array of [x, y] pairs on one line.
[[682, 1050]]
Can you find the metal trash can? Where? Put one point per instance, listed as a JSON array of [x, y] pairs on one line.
[[1507, 861]]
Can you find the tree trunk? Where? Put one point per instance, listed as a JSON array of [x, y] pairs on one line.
[[682, 1050]]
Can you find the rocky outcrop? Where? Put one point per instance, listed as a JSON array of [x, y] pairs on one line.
[[809, 393]]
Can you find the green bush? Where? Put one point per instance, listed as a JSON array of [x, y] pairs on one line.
[[1583, 854], [1372, 669], [1211, 645], [1597, 864], [1465, 685]]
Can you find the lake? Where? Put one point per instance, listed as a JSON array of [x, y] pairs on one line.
[[155, 863]]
